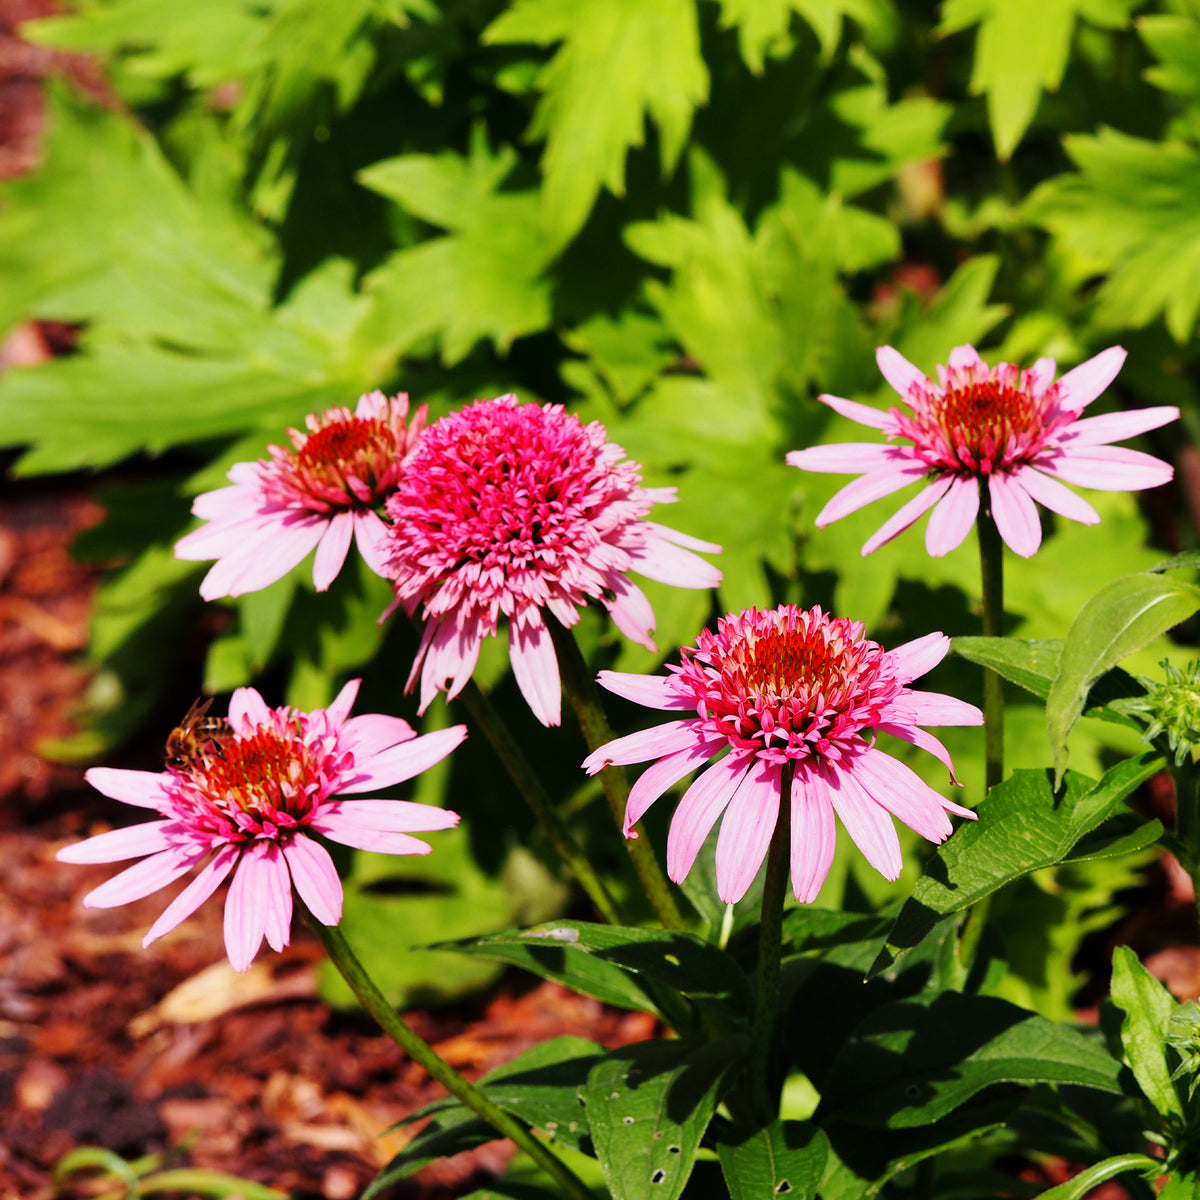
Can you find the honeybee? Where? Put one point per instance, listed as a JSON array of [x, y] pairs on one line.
[[188, 744]]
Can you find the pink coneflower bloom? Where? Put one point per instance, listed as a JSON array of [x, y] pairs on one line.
[[319, 492], [788, 685], [247, 801], [1017, 431], [516, 510]]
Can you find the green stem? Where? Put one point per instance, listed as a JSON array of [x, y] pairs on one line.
[[770, 945], [521, 772], [1187, 821], [991, 569], [585, 699], [390, 1021]]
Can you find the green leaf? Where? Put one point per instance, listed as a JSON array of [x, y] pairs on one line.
[[484, 279], [1023, 826], [762, 25], [915, 1060], [783, 1158], [1148, 1007], [1021, 51], [1091, 1177], [1031, 665], [1129, 214], [1175, 41], [1120, 619], [609, 962], [446, 1135], [653, 49], [648, 1105]]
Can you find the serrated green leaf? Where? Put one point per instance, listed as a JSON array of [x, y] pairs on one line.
[[648, 1106], [1147, 1006], [915, 1060], [1023, 826], [589, 124], [1129, 213], [763, 31], [484, 279], [1031, 665], [1120, 619], [1021, 51], [783, 1158], [1174, 39]]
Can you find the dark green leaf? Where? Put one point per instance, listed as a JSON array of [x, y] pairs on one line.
[[1109, 1168], [1031, 665], [1023, 826], [1120, 619], [913, 1061], [786, 1158], [648, 1105], [1148, 1007], [448, 1134]]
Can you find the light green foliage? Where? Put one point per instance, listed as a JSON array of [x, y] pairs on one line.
[[620, 61], [1148, 1007], [1022, 51]]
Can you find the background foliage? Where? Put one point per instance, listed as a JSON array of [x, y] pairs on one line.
[[684, 218]]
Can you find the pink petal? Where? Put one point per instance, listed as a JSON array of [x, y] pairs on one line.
[[964, 356], [332, 550], [656, 742], [922, 740], [666, 534], [218, 538], [451, 656], [868, 825], [900, 520], [339, 710], [226, 504], [814, 835], [144, 789], [248, 710], [630, 611], [265, 561], [370, 733], [1114, 427], [665, 773], [953, 518], [863, 414], [316, 878], [673, 565], [378, 843], [1040, 376], [246, 906], [371, 537], [699, 809], [1082, 385], [746, 830], [405, 761], [1057, 498], [893, 786], [919, 657], [1109, 469], [934, 708], [1016, 514], [653, 691], [145, 877], [195, 894], [382, 816], [535, 667], [118, 844], [843, 458], [897, 370], [868, 488], [278, 927]]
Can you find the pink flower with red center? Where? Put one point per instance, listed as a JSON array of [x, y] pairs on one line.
[[248, 800], [790, 685], [1017, 433], [516, 510], [320, 492]]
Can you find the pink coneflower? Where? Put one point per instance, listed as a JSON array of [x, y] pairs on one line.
[[1019, 431], [320, 492], [249, 797], [788, 685], [509, 509]]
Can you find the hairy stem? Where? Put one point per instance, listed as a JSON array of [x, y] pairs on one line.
[[585, 699], [421, 1052]]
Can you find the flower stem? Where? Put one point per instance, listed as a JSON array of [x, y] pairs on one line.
[[421, 1052], [770, 946], [521, 772], [991, 569], [585, 699]]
